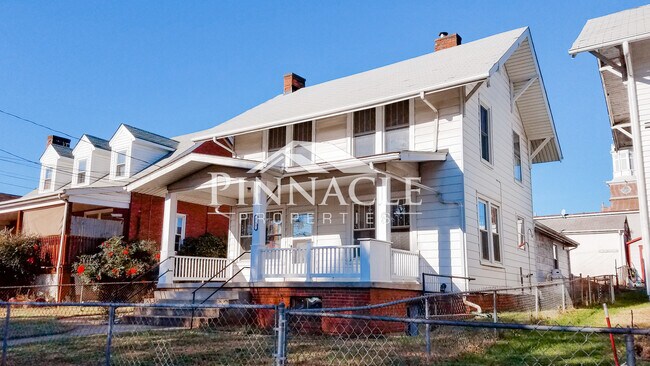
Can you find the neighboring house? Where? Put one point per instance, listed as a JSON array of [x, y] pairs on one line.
[[621, 44], [553, 253], [466, 122], [7, 197], [81, 197]]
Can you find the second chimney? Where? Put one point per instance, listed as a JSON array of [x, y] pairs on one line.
[[293, 82], [445, 40], [57, 140]]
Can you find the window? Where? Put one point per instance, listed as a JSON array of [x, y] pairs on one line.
[[364, 132], [396, 124], [400, 225], [277, 139], [47, 178], [364, 222], [245, 231], [623, 163], [489, 235], [81, 171], [516, 147], [306, 302], [303, 133], [274, 229], [521, 233], [556, 264], [120, 164], [485, 135], [179, 235]]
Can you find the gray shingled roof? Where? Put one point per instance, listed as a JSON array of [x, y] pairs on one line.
[[450, 67], [572, 223], [151, 137], [63, 151], [631, 24], [99, 142]]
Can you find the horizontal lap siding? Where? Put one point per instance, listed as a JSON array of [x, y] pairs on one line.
[[249, 146], [439, 231], [641, 63], [497, 183]]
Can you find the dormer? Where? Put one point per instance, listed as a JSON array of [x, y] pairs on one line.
[[133, 150], [92, 160], [56, 164]]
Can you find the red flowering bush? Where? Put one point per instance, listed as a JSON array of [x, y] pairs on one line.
[[117, 261], [19, 259]]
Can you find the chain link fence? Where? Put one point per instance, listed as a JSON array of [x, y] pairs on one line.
[[124, 292]]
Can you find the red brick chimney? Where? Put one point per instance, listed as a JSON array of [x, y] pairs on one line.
[[293, 82], [57, 140], [445, 40]]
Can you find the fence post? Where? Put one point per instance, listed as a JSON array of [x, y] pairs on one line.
[[280, 355], [5, 335], [536, 302], [611, 290], [588, 291], [109, 334], [427, 336], [563, 288], [494, 307], [630, 356]]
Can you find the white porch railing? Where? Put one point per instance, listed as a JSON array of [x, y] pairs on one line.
[[404, 264], [200, 269], [314, 262]]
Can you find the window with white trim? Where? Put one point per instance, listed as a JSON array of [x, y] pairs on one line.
[[556, 263], [364, 222], [486, 138], [521, 233], [396, 126], [47, 178], [364, 127], [120, 164], [179, 234], [489, 221], [276, 139], [400, 225], [245, 231], [303, 134], [516, 148], [82, 167], [274, 229]]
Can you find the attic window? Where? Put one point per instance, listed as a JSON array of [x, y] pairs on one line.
[[120, 164], [47, 178], [81, 171]]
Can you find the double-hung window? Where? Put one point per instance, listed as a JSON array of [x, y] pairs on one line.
[[396, 125], [489, 220], [179, 235], [303, 137], [516, 148], [364, 222], [400, 225], [47, 178], [486, 140], [82, 167], [120, 164], [364, 132], [273, 229], [245, 231], [277, 139]]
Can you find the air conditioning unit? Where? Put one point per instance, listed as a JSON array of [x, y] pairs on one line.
[[556, 274]]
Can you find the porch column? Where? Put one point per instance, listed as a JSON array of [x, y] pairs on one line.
[[259, 230], [382, 217], [168, 236]]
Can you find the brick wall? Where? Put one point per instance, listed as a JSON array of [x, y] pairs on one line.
[[333, 298]]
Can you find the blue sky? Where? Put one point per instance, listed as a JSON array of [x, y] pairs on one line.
[[177, 67]]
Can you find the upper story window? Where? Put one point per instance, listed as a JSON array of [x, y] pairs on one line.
[[489, 231], [623, 161], [303, 132], [396, 125], [47, 178], [120, 164], [516, 148], [82, 167], [277, 139], [364, 132], [486, 140]]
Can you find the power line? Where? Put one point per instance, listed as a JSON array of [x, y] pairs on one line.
[[17, 185]]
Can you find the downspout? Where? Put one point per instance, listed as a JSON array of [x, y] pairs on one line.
[[62, 242], [638, 149], [437, 125]]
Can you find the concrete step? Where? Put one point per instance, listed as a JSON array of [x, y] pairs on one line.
[[176, 312], [185, 295], [168, 321]]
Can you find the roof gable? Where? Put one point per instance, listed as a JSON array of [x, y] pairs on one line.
[[140, 134]]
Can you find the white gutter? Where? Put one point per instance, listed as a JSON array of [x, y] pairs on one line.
[[214, 139], [638, 153], [437, 124], [349, 108]]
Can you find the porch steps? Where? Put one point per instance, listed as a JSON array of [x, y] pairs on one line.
[[176, 317]]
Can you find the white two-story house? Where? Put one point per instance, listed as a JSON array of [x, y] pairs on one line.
[[364, 183]]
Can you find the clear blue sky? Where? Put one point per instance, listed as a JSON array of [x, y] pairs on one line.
[[175, 67]]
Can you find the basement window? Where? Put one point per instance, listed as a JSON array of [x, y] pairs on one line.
[[396, 125], [306, 302], [364, 132]]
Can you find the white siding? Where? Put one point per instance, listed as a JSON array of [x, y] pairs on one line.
[[597, 253], [249, 146], [61, 169], [139, 154], [98, 162], [333, 132], [496, 182]]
